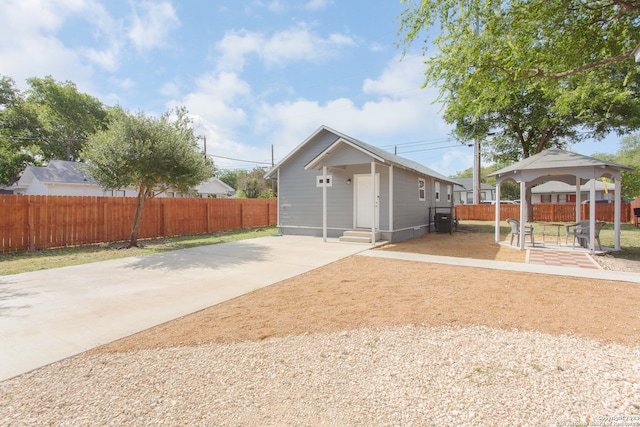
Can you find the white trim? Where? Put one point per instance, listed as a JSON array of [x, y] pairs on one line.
[[278, 198], [423, 189], [324, 153], [324, 204]]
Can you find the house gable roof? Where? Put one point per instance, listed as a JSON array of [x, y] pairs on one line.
[[561, 187], [375, 152], [60, 172], [467, 185]]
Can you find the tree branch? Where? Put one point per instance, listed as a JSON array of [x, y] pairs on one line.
[[537, 72]]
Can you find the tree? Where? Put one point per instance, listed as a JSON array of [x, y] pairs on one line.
[[253, 185], [508, 190], [549, 39], [17, 148], [536, 73], [148, 153], [229, 177], [628, 154], [65, 117]]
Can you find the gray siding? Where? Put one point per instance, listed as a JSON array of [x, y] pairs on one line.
[[409, 210], [300, 201], [347, 155]]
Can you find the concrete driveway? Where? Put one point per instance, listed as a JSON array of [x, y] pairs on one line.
[[50, 315]]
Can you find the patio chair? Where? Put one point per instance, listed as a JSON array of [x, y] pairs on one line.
[[515, 231], [570, 230], [582, 234]]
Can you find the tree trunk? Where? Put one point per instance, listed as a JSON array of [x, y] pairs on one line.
[[137, 218]]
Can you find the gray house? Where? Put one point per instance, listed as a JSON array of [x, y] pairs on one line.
[[333, 185]]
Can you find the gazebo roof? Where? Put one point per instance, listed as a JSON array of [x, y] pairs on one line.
[[559, 165]]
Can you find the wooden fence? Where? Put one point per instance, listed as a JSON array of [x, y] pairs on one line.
[[40, 222], [546, 212]]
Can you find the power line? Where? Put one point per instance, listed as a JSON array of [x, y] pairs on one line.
[[240, 160]]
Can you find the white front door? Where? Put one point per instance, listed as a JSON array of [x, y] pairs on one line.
[[364, 210]]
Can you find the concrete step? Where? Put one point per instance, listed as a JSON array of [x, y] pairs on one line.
[[358, 236]]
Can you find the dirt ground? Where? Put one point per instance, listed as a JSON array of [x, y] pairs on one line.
[[359, 292]]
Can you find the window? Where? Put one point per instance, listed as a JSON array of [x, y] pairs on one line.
[[437, 191], [320, 181], [421, 189], [545, 198], [448, 192]]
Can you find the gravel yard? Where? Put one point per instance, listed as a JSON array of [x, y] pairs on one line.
[[394, 376], [365, 342]]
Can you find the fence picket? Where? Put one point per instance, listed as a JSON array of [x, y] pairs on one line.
[[546, 212], [40, 222]]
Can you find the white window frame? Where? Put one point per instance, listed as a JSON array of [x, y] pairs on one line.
[[422, 189], [448, 192], [437, 191]]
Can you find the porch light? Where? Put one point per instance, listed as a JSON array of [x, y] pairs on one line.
[[349, 181]]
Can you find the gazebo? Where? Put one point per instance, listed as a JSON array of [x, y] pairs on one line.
[[555, 164]]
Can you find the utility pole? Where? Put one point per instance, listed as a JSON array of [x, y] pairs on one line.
[[204, 138]]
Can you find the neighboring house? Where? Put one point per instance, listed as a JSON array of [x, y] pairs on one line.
[[464, 192], [213, 187], [560, 192], [64, 178], [332, 183]]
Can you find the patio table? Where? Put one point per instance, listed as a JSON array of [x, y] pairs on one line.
[[557, 225]]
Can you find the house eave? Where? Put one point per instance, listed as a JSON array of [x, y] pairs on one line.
[[315, 163]]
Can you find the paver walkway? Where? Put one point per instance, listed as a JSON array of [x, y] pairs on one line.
[[561, 259]]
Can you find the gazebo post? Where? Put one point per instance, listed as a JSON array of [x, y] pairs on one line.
[[592, 216], [497, 228], [523, 210], [616, 214], [578, 200]]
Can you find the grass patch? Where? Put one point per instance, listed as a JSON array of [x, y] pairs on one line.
[[20, 262]]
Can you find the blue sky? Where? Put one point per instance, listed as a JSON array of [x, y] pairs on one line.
[[252, 73]]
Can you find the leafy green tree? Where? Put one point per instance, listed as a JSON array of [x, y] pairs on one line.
[[17, 147], [252, 185], [65, 117], [229, 177], [151, 154], [536, 73], [629, 155]]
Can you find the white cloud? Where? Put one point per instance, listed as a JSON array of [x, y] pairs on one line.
[[152, 23], [291, 45], [235, 46], [30, 46], [317, 4], [216, 99], [400, 77]]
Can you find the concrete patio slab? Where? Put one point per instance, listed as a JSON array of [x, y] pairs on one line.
[[50, 315]]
